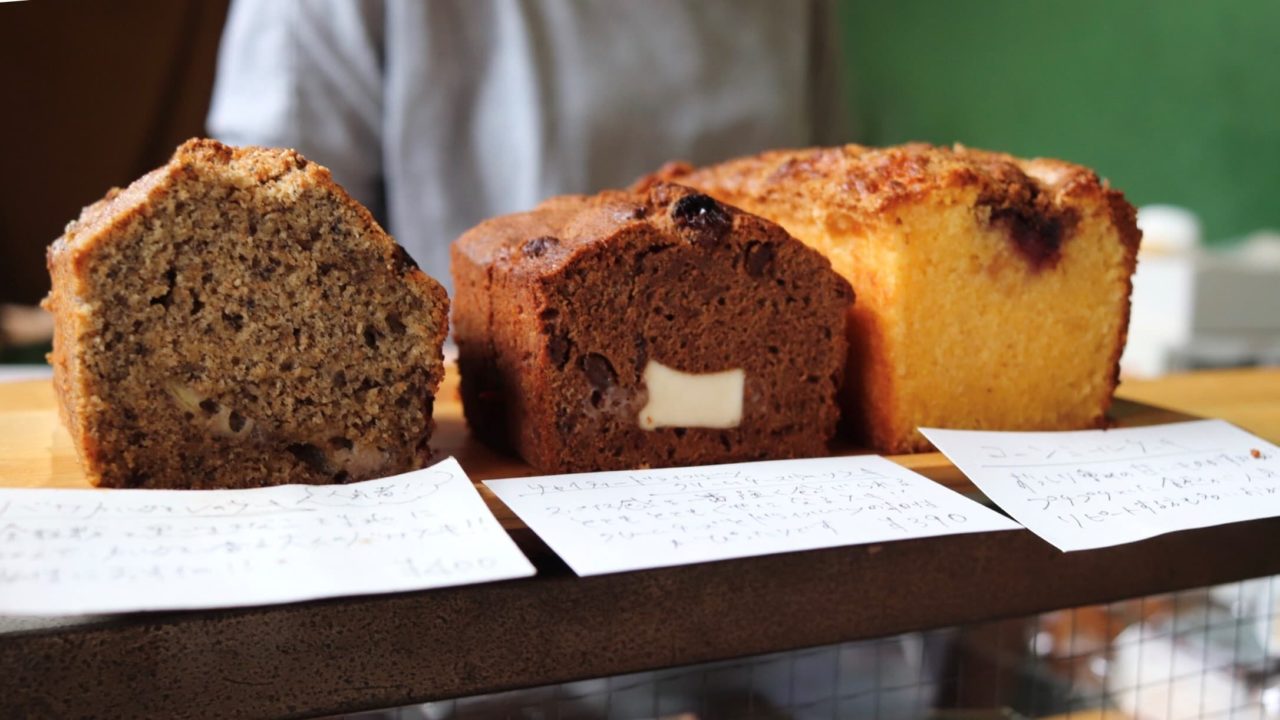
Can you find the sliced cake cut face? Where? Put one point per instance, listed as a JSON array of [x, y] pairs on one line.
[[642, 330], [235, 319], [993, 292]]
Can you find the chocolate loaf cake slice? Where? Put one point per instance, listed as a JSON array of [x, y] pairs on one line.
[[235, 319], [993, 291], [642, 330]]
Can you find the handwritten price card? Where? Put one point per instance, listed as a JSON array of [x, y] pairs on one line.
[[617, 521], [1094, 488], [102, 551]]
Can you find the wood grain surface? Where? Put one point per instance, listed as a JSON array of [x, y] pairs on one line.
[[328, 657], [35, 450]]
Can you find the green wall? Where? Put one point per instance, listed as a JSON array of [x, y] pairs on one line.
[[1175, 101]]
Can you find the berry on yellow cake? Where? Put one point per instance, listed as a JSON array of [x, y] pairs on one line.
[[993, 292]]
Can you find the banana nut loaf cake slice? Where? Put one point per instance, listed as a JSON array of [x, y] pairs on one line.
[[235, 319], [629, 330], [993, 292]]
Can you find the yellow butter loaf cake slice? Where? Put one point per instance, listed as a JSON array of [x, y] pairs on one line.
[[235, 319], [993, 292]]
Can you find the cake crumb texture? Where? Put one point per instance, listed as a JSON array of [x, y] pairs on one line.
[[993, 292], [560, 311], [235, 319]]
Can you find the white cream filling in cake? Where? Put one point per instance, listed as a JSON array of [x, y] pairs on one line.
[[691, 400]]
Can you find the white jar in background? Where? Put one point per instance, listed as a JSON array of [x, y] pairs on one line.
[[1163, 301]]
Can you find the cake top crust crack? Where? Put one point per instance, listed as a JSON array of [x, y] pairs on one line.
[[1037, 200], [544, 241], [280, 172]]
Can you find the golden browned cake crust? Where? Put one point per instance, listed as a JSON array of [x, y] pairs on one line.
[[864, 184], [565, 317], [953, 250], [235, 319]]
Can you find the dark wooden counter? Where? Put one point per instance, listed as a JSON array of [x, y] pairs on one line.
[[368, 652]]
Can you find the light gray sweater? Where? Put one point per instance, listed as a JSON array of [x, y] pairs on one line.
[[440, 113]]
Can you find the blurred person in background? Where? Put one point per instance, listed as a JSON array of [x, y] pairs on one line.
[[437, 115]]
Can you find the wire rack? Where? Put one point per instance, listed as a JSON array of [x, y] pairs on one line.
[[1210, 653]]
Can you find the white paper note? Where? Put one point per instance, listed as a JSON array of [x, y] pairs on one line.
[[1095, 488], [631, 520], [105, 551]]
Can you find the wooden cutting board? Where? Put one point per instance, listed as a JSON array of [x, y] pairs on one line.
[[35, 450]]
